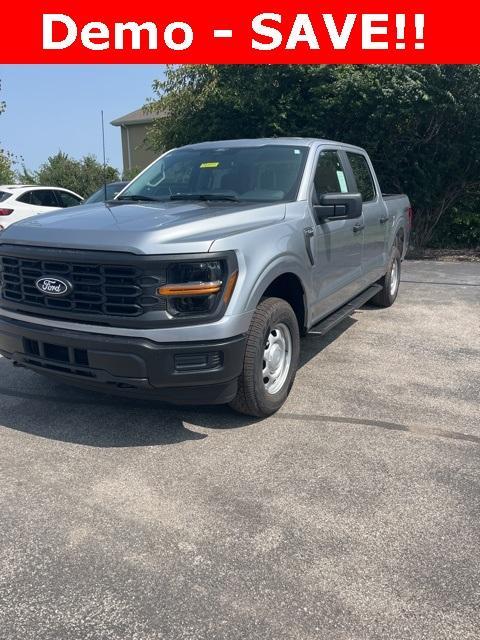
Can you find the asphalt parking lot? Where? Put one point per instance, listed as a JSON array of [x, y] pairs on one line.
[[353, 513]]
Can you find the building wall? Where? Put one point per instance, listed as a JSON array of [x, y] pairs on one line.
[[136, 153]]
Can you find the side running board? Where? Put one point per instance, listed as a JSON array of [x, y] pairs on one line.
[[322, 327]]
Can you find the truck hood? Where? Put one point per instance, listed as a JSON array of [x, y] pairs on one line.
[[144, 228]]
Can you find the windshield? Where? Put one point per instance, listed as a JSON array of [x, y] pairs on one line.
[[270, 173]]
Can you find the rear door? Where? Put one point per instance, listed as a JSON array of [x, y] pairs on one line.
[[24, 207], [39, 201], [45, 200], [338, 243], [374, 215]]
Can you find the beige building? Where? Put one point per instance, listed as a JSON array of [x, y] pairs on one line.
[[135, 150]]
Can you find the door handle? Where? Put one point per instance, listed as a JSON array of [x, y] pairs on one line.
[[358, 227], [383, 219], [308, 234]]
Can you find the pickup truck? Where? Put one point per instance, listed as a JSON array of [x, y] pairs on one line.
[[195, 284]]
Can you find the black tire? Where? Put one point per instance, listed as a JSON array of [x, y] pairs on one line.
[[386, 297], [252, 397]]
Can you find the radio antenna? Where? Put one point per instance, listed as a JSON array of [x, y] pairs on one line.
[[104, 160]]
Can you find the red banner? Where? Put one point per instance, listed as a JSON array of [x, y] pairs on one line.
[[256, 31]]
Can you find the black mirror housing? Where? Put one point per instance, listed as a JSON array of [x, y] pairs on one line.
[[342, 206]]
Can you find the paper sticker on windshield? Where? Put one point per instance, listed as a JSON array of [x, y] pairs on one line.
[[342, 182], [209, 165]]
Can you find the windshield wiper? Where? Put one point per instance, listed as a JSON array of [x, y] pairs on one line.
[[138, 198], [204, 196]]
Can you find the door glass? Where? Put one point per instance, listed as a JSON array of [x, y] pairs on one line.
[[363, 177], [67, 199], [329, 175], [44, 198]]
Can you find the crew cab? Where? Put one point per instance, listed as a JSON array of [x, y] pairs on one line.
[[195, 284]]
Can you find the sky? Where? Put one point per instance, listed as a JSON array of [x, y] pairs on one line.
[[52, 107]]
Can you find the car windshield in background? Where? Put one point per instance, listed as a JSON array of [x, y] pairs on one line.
[[112, 190], [270, 173]]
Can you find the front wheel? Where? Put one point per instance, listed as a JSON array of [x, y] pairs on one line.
[[390, 281], [271, 359]]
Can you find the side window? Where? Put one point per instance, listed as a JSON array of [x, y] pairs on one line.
[[363, 176], [26, 197], [44, 198], [329, 175], [67, 199]]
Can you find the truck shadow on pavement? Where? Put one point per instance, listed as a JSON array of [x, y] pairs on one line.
[[45, 408]]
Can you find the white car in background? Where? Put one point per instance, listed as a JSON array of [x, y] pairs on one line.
[[20, 201]]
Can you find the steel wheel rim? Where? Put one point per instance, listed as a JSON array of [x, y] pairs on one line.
[[394, 278], [277, 357]]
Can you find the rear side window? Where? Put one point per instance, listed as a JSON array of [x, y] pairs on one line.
[[4, 195], [329, 174], [67, 199], [363, 176], [26, 197]]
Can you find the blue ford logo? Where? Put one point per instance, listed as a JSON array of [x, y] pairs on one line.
[[53, 286]]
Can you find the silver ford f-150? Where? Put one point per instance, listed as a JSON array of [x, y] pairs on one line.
[[197, 281]]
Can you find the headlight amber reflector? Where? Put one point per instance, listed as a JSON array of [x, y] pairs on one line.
[[188, 289]]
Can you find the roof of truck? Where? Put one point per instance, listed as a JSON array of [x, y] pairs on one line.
[[260, 142]]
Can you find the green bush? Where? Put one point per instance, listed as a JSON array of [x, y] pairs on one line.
[[83, 176], [460, 229]]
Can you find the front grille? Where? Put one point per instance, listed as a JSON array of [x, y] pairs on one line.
[[97, 289]]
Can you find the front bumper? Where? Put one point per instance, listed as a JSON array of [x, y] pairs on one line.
[[187, 372]]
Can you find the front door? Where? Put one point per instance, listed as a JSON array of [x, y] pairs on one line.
[[338, 243]]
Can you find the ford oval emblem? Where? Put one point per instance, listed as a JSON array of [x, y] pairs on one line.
[[54, 286]]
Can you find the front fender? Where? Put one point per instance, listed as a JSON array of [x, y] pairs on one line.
[[278, 266], [264, 255]]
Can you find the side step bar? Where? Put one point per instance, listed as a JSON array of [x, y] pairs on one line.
[[322, 327]]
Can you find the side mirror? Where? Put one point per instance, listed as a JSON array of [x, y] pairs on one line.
[[338, 206]]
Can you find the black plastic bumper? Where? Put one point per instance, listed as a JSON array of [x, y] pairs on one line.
[[186, 373]]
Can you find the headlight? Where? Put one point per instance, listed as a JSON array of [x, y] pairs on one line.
[[199, 288]]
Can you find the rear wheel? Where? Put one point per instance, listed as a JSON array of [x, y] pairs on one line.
[[390, 281], [270, 361]]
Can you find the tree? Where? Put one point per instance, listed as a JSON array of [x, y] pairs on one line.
[[82, 176], [25, 176], [7, 160], [420, 124], [130, 174], [7, 174], [208, 102], [461, 227]]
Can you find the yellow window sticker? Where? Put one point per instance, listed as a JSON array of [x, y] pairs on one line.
[[209, 165]]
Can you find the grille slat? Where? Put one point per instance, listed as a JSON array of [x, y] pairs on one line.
[[112, 290]]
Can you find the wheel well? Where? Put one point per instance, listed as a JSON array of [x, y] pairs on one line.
[[289, 287], [400, 240]]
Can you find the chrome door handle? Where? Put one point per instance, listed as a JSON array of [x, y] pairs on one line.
[[358, 227], [383, 219]]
